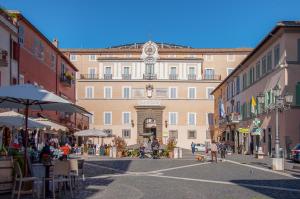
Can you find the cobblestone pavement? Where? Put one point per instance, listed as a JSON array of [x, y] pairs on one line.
[[183, 178]]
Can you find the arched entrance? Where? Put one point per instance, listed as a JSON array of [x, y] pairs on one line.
[[149, 128]]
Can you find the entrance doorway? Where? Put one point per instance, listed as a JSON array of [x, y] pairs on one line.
[[149, 128]]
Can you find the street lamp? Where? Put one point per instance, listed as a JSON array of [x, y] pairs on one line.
[[281, 103]]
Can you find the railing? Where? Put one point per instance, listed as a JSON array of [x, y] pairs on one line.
[[89, 76], [149, 76], [192, 76], [211, 77], [173, 76], [66, 81], [126, 76], [107, 76], [231, 118]]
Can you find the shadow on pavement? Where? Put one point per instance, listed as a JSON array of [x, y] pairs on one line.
[[260, 186]]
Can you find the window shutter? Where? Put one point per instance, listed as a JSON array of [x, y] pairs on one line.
[[298, 94]]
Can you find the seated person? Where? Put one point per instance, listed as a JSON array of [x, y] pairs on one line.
[[142, 151], [155, 148]]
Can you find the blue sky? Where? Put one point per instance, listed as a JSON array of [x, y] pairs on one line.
[[196, 23]]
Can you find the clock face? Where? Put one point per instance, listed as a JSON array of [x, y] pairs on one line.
[[150, 50]]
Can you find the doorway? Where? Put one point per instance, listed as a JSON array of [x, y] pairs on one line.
[[150, 127]]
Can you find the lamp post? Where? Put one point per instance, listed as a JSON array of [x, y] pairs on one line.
[[281, 103]]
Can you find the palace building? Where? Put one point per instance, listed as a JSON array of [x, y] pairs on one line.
[[152, 89]]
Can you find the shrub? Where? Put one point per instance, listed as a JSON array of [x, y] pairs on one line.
[[120, 144], [171, 144]]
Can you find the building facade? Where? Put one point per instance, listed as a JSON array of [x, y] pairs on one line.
[[41, 63], [152, 89], [274, 63], [9, 50]]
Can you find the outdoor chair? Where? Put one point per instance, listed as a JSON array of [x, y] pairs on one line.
[[81, 168], [61, 174], [38, 171], [74, 171], [21, 180]]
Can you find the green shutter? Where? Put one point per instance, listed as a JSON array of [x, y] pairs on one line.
[[298, 94]]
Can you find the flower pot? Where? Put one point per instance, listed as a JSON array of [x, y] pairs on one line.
[[119, 154]]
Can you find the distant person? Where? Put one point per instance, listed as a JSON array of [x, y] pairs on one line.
[[222, 150], [214, 151], [193, 146], [155, 148], [251, 148]]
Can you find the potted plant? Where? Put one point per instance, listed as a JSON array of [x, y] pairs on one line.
[[170, 146], [68, 75], [120, 145]]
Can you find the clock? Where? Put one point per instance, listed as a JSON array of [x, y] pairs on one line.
[[150, 50]]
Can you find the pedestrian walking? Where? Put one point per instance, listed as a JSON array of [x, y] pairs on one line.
[[193, 145], [223, 150], [214, 151]]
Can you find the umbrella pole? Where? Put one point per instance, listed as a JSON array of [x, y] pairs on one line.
[[26, 140]]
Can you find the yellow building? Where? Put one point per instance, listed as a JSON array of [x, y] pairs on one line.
[[152, 89]]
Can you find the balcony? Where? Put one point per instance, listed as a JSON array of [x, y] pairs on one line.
[[3, 58], [149, 76], [211, 77], [126, 76], [67, 81], [108, 76], [192, 77], [173, 76], [232, 118], [89, 76]]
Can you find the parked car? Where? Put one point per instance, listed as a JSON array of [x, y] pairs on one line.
[[296, 153], [200, 147]]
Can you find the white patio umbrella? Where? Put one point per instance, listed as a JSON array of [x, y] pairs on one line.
[[13, 119], [91, 133], [28, 96]]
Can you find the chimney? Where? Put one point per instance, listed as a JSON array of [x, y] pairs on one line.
[[55, 42]]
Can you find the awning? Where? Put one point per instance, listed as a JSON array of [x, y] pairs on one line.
[[13, 119], [92, 133], [52, 126]]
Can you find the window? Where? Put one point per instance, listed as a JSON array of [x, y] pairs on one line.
[[192, 93], [238, 107], [108, 131], [173, 134], [161, 92], [149, 69], [208, 93], [244, 81], [173, 71], [276, 55], [208, 57], [269, 61], [229, 70], [53, 60], [264, 65], [89, 92], [107, 92], [173, 118], [209, 73], [210, 119], [257, 70], [230, 58], [192, 71], [107, 118], [173, 92], [126, 93], [192, 119], [126, 70], [126, 133], [251, 76], [238, 85], [108, 70], [21, 35], [92, 57], [298, 94], [73, 57], [92, 73], [126, 117], [192, 134]]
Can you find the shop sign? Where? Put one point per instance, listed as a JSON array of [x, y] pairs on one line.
[[256, 131], [244, 130]]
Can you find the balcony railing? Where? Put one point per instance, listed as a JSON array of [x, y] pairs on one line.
[[65, 80], [126, 76], [149, 76], [232, 118], [107, 76], [211, 77], [89, 76], [192, 76], [173, 76]]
